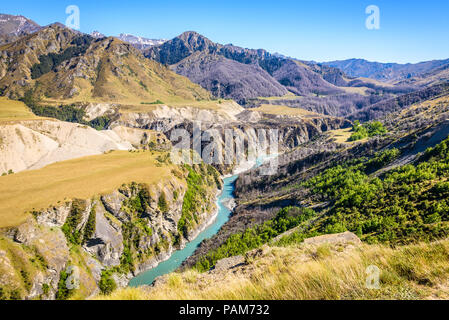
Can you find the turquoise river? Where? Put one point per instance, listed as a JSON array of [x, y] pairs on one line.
[[178, 257]]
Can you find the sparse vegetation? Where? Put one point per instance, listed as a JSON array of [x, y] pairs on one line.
[[107, 284], [407, 204], [292, 273], [50, 61], [162, 203], [155, 102], [252, 238], [367, 130]]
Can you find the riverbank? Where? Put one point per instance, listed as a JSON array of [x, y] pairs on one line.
[[177, 257], [225, 205]]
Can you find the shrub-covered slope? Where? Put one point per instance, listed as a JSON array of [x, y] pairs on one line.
[[389, 188]]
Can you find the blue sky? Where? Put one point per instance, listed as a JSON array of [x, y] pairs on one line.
[[410, 31]]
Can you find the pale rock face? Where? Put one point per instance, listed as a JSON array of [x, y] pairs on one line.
[[165, 118], [54, 217], [35, 144], [25, 233], [95, 110], [22, 147], [107, 243], [95, 268], [134, 136], [7, 272], [113, 203]]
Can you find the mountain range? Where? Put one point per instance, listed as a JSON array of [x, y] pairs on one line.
[[58, 63], [386, 71], [249, 76], [266, 75], [88, 176]]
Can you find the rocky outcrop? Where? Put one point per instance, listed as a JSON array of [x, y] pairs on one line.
[[164, 118], [293, 130], [116, 235], [106, 244]]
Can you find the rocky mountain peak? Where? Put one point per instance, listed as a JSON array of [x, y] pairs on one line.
[[17, 25], [140, 42], [97, 34]]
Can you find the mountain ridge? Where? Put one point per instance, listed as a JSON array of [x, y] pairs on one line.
[[385, 71], [59, 63], [282, 70]]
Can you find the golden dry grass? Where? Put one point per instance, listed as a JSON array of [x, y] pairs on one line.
[[288, 96], [299, 273], [11, 111], [284, 110], [341, 135], [356, 90], [202, 105], [80, 178], [136, 80], [428, 105]]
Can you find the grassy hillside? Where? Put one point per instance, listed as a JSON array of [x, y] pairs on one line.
[[216, 105], [80, 178], [64, 66], [314, 273], [386, 189], [284, 111], [11, 110], [114, 71]]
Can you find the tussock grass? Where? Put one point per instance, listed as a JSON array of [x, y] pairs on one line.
[[79, 178], [11, 110], [285, 111], [225, 105], [297, 273], [343, 135], [288, 96]]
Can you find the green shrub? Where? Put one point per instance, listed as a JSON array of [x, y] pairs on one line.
[[162, 203], [63, 292], [369, 129], [408, 204], [50, 61], [240, 243], [73, 235], [89, 229], [107, 284], [15, 295], [155, 102]]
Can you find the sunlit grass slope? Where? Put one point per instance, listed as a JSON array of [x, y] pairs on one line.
[[11, 110], [284, 110], [80, 178], [411, 272]]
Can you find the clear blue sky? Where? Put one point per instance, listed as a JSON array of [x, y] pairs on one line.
[[411, 31]]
